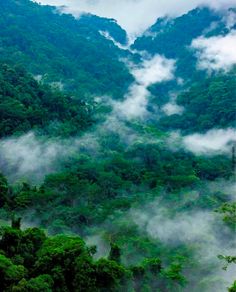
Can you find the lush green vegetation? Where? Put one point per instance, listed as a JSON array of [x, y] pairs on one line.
[[88, 190], [172, 38], [36, 261], [25, 105], [31, 261], [59, 48], [217, 94], [127, 188], [163, 33]]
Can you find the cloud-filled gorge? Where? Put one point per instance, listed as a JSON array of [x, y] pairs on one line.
[[152, 70], [135, 16], [118, 146]]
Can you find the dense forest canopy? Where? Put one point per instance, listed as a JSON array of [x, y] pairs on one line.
[[59, 48], [25, 105], [117, 161], [217, 93]]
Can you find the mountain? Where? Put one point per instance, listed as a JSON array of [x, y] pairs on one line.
[[217, 94], [117, 145], [169, 36], [58, 48], [92, 22], [172, 38], [27, 105], [197, 90]]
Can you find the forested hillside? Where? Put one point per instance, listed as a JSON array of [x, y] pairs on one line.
[[58, 48], [27, 105], [172, 38], [217, 93], [117, 162]]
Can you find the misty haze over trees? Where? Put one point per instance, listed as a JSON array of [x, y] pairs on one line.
[[117, 154]]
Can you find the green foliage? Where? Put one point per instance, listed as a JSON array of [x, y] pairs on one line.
[[228, 210], [93, 193], [115, 253], [64, 263], [151, 276], [88, 189], [4, 190], [38, 284], [233, 288], [25, 104], [9, 272], [172, 38], [174, 273], [110, 274], [174, 34], [228, 260], [61, 49], [217, 94]]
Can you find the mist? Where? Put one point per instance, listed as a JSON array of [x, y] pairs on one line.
[[135, 16], [109, 169], [152, 70], [106, 35], [204, 231], [30, 158], [213, 141], [172, 108], [218, 52]]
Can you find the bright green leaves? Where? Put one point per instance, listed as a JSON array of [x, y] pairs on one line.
[[9, 272]]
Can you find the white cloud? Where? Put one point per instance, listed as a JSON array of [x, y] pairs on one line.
[[136, 15], [182, 228], [102, 246], [198, 229], [110, 38], [31, 158], [216, 140], [154, 70], [172, 108], [216, 53], [151, 71], [135, 103], [230, 19]]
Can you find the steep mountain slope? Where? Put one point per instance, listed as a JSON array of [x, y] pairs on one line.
[[59, 48], [71, 163], [27, 105], [209, 97], [208, 104], [169, 36], [172, 38]]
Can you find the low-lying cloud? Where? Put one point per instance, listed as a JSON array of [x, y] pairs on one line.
[[204, 231], [216, 53], [107, 35], [31, 158], [152, 70], [135, 15], [214, 141], [230, 19], [172, 108], [28, 157], [183, 228]]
